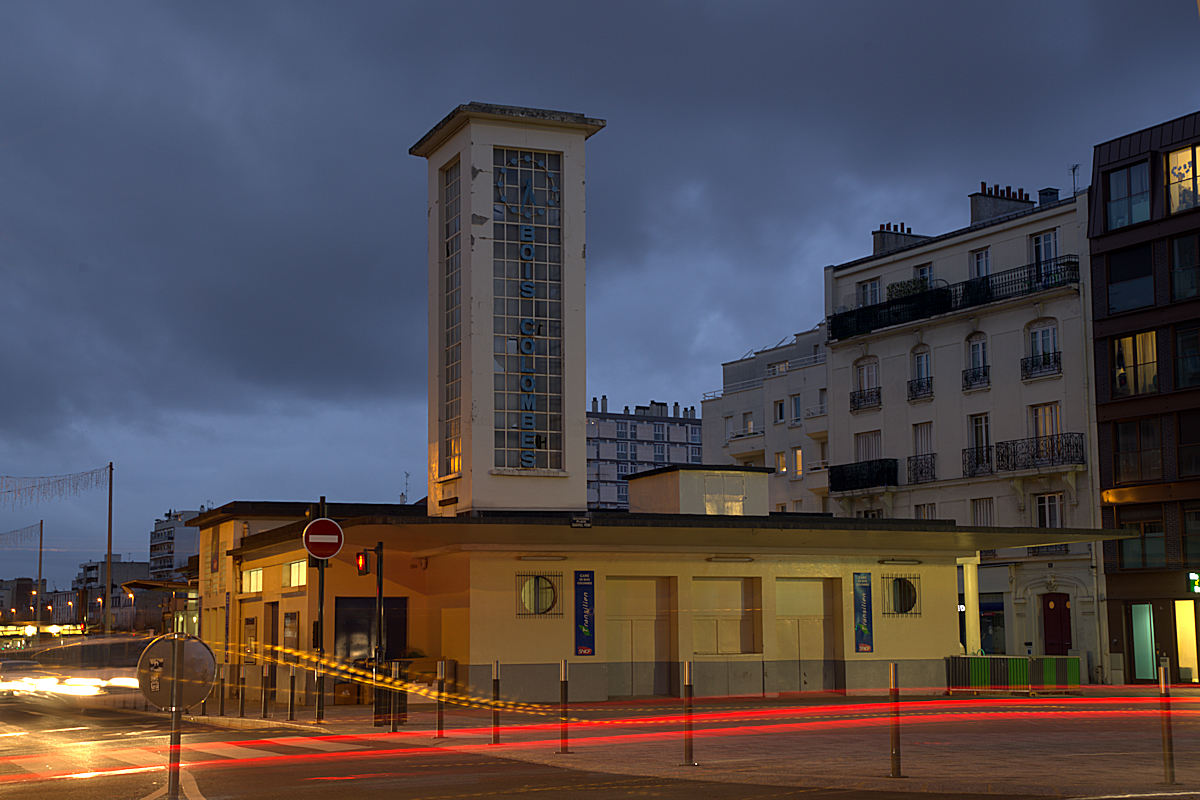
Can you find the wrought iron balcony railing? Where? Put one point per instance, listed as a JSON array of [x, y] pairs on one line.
[[922, 468], [864, 398], [977, 377], [1040, 451], [863, 475], [919, 388], [977, 461], [1017, 282], [1041, 364]]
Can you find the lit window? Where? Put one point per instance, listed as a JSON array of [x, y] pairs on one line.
[[798, 460], [1128, 195], [251, 580], [1135, 365], [781, 463], [925, 511], [295, 574], [1181, 180]]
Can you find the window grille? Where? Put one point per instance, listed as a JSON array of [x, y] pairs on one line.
[[539, 594], [901, 595]]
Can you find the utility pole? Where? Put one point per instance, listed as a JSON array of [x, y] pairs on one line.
[[106, 602], [41, 593]]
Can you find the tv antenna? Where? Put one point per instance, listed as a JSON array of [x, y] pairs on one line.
[[1074, 171]]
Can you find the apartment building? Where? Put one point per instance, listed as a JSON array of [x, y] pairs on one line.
[[1145, 265], [771, 412], [171, 544], [960, 386], [622, 443]]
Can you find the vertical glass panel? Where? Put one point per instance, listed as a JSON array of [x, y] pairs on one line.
[[1181, 180], [1142, 619], [1185, 268], [1185, 640]]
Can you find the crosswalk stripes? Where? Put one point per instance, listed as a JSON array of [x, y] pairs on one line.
[[230, 751], [314, 744], [36, 764], [140, 757]]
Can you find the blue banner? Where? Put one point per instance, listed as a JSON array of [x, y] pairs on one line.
[[585, 612], [864, 640]]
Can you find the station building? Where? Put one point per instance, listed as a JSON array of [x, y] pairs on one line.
[[504, 562]]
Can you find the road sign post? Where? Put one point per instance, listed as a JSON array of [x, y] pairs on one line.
[[323, 539], [191, 666]]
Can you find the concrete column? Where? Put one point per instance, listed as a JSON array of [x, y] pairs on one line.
[[970, 573]]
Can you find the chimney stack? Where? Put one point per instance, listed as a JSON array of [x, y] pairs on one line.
[[993, 202], [595, 405], [604, 403], [1047, 196], [676, 409]]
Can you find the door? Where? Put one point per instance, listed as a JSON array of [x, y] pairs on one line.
[[640, 636], [271, 640], [1056, 623], [806, 634]]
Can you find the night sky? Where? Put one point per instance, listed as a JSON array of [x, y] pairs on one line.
[[212, 237]]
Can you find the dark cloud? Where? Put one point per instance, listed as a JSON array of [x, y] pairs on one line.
[[212, 248]]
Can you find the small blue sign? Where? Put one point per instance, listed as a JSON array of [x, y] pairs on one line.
[[585, 612], [864, 640]]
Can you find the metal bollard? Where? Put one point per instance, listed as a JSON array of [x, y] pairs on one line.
[[1168, 743], [495, 702], [403, 697], [1029, 667], [688, 695], [266, 688], [292, 693], [221, 688], [241, 684], [394, 698], [319, 680], [441, 700], [894, 695], [562, 707]]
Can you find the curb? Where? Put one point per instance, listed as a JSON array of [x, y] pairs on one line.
[[244, 723]]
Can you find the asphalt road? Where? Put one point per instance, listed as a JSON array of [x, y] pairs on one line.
[[65, 754], [59, 753]]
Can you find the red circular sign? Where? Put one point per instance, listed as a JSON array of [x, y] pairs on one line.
[[323, 538]]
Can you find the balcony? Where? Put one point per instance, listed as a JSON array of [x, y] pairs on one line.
[[864, 398], [977, 378], [922, 468], [1041, 365], [978, 461], [770, 371], [1040, 451], [818, 410], [920, 388], [863, 475], [1011, 283]]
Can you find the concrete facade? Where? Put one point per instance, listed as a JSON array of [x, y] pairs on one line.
[[507, 332], [771, 411], [172, 543], [622, 443], [760, 603], [960, 387]]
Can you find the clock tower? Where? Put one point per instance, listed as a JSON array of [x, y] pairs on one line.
[[507, 360]]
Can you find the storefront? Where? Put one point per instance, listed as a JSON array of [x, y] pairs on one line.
[[1153, 616]]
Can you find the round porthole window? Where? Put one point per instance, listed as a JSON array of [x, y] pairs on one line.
[[904, 595], [538, 594]]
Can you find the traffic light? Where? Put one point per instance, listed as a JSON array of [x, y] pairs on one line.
[[362, 560]]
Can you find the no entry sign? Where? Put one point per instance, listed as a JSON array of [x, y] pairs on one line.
[[323, 538]]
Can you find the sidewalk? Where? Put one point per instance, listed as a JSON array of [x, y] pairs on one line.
[[1073, 750]]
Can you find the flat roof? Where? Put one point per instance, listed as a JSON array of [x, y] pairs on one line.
[[461, 115], [693, 467], [621, 531]]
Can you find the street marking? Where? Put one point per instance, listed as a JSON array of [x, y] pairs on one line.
[[64, 730], [35, 764], [138, 758], [314, 744], [231, 750]]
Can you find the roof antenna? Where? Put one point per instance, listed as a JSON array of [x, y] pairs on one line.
[[1074, 170]]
